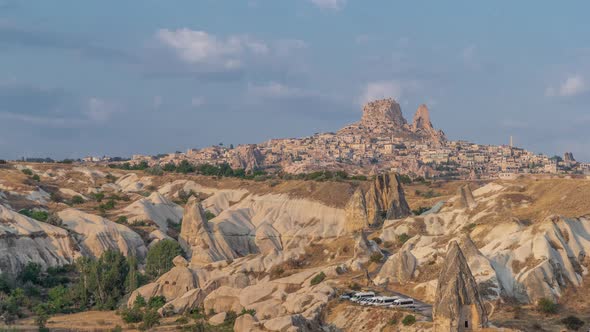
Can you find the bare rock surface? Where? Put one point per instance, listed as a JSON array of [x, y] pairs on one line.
[[96, 234], [200, 239], [156, 208], [24, 240]]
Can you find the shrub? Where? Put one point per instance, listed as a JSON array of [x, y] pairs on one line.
[[181, 320], [117, 328], [28, 172], [572, 323], [547, 306], [184, 196], [468, 228], [409, 320], [121, 220], [36, 178], [55, 197], [355, 286], [403, 238], [109, 205], [209, 215], [420, 210], [392, 321], [31, 273], [139, 301], [250, 312], [156, 170], [318, 278], [98, 197], [156, 302], [42, 316], [35, 214], [133, 315], [150, 318], [376, 257], [54, 220], [77, 200]]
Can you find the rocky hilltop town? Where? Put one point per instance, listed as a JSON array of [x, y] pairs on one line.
[[381, 141]]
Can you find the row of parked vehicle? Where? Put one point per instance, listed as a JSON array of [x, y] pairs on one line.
[[372, 299]]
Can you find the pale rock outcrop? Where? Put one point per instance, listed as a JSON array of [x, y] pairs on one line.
[[422, 125], [268, 239], [223, 298], [173, 285], [356, 212], [218, 319], [458, 304], [24, 240], [157, 236], [156, 208], [399, 268], [200, 239], [386, 199], [383, 112], [536, 262], [247, 157], [132, 183], [363, 250], [192, 299], [481, 268], [246, 323], [466, 199], [96, 234]]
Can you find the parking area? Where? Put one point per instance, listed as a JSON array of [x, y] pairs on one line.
[[387, 299]]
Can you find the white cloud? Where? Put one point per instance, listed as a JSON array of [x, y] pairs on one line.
[[572, 86], [275, 90], [380, 90], [285, 47], [200, 47], [99, 110], [329, 4]]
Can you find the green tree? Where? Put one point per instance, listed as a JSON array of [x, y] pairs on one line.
[[31, 273], [102, 280], [160, 256], [150, 319], [42, 316], [134, 277]]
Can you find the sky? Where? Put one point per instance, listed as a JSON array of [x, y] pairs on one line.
[[116, 78]]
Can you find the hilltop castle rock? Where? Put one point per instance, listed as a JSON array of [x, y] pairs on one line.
[[383, 112]]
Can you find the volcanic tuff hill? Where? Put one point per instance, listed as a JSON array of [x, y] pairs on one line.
[[384, 118]]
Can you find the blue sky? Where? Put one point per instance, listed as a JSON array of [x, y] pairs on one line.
[[84, 78]]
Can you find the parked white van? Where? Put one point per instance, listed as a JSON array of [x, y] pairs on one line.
[[403, 303], [384, 301], [362, 295], [368, 300]]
